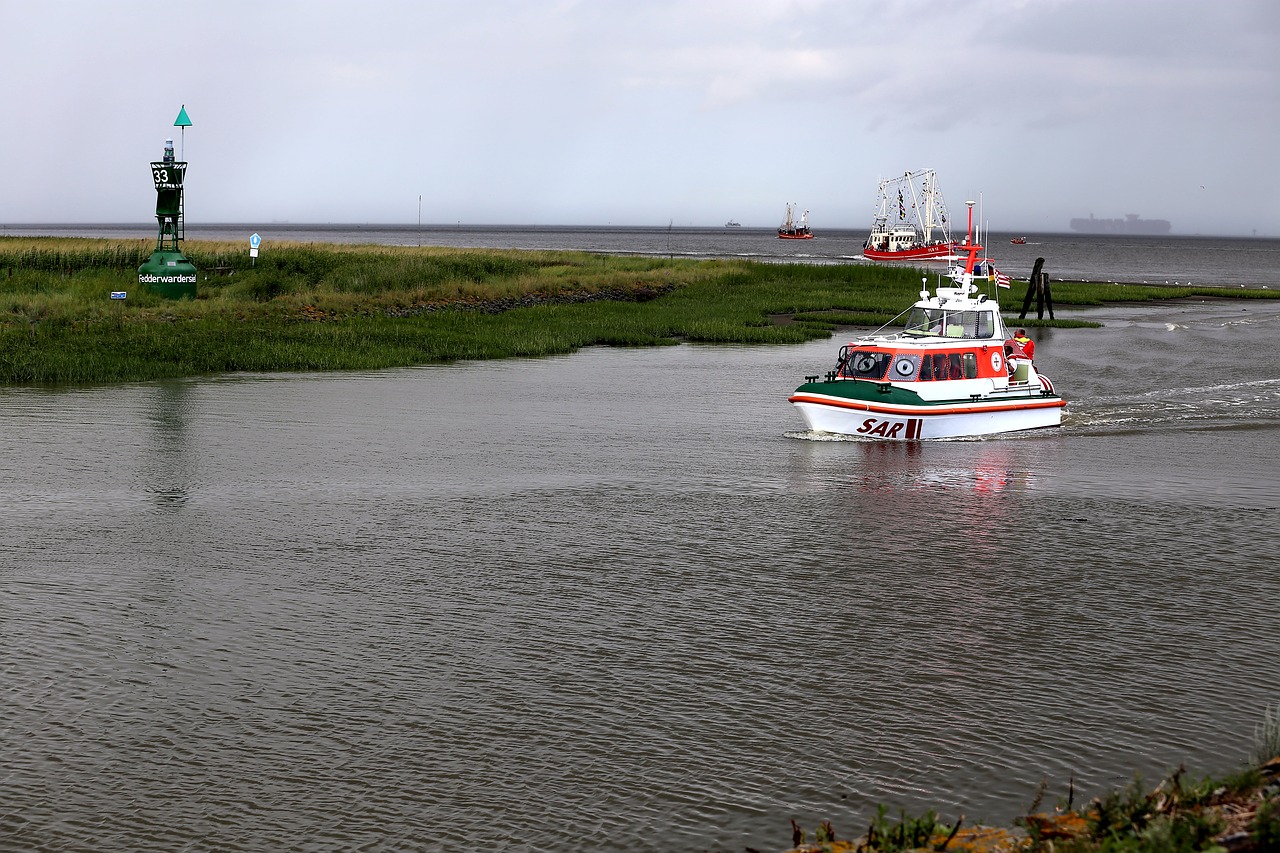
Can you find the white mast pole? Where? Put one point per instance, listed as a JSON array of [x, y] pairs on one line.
[[929, 190]]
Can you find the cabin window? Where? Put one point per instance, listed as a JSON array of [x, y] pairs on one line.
[[950, 324], [862, 364], [919, 321], [969, 363], [942, 366], [905, 367], [985, 327], [927, 372]]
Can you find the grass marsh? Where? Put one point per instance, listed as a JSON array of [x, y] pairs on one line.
[[303, 307]]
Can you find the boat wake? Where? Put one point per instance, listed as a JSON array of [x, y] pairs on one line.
[[1241, 405], [814, 435]]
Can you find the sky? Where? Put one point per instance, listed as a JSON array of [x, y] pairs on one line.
[[643, 112]]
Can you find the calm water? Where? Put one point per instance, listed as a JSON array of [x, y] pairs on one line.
[[620, 601]]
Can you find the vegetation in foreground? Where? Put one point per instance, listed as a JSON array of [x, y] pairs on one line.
[[309, 307], [1236, 814]]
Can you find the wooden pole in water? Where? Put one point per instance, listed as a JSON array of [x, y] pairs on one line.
[[1044, 296], [1032, 289]]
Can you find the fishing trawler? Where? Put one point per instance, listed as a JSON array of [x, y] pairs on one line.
[[790, 229], [910, 223], [952, 371]]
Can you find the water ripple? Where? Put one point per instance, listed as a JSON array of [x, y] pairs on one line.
[[377, 612]]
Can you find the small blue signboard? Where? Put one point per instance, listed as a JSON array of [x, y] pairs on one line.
[[119, 294], [255, 241]]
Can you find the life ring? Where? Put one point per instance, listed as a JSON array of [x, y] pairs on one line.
[[864, 362], [904, 367]]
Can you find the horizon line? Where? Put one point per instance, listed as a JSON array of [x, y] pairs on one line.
[[444, 226]]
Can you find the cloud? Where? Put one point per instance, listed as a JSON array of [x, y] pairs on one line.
[[507, 111]]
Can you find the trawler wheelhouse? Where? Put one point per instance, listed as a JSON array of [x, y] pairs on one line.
[[895, 239]]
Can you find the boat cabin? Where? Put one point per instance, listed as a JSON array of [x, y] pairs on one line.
[[887, 364], [898, 239], [953, 335]]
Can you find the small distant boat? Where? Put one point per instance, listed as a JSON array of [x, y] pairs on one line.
[[910, 223], [793, 230], [733, 224], [1018, 241]]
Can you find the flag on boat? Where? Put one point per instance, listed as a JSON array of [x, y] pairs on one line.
[[999, 278]]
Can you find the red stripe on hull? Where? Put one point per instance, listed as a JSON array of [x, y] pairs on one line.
[[924, 253], [924, 411]]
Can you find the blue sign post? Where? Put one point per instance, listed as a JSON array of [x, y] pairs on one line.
[[254, 242], [117, 296]]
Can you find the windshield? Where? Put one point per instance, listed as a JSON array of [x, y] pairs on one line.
[[950, 324]]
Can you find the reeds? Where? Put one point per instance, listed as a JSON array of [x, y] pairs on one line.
[[1238, 812], [338, 307]]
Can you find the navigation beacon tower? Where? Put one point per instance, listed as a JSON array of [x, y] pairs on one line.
[[168, 272]]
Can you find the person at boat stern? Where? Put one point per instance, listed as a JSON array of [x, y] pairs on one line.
[[1028, 345]]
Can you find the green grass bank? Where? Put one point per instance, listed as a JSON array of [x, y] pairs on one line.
[[310, 307], [1236, 813]]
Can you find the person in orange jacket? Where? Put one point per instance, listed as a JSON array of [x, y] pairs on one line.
[[1028, 345]]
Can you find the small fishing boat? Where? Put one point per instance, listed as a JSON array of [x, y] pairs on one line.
[[910, 223], [952, 371], [732, 224], [790, 229], [1018, 241]]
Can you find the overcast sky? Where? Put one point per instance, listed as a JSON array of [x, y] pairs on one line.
[[643, 112]]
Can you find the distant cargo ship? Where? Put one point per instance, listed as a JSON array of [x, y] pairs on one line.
[[1131, 224]]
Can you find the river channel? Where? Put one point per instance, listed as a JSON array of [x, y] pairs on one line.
[[619, 600]]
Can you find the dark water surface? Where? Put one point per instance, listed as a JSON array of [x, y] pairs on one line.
[[620, 600]]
